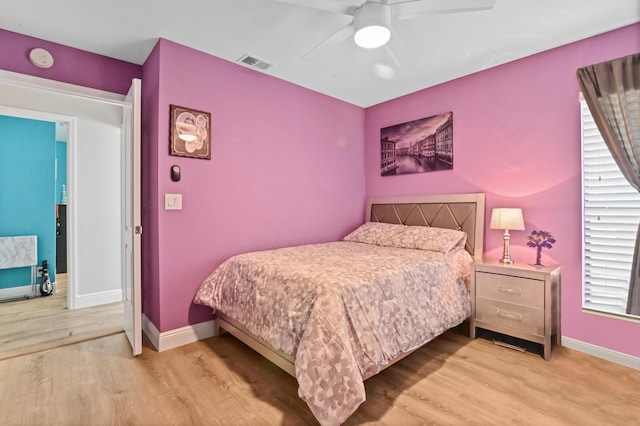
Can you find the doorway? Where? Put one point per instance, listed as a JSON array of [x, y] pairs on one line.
[[94, 189]]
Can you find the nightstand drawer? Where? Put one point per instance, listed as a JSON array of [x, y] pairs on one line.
[[524, 318], [523, 291]]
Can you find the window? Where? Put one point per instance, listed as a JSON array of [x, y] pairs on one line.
[[611, 216]]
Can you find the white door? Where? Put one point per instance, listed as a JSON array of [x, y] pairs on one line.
[[131, 227]]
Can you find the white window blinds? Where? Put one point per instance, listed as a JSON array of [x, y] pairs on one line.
[[611, 216]]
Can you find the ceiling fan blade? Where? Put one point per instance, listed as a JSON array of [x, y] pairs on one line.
[[336, 6], [418, 8], [332, 42], [395, 41], [391, 54]]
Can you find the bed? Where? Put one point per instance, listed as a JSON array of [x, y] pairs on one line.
[[334, 314]]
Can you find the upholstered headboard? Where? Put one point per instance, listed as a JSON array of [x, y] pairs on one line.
[[463, 212]]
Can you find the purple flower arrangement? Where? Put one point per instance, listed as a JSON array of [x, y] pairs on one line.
[[540, 240]]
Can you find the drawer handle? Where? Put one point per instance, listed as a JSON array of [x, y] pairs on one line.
[[509, 290], [509, 315]]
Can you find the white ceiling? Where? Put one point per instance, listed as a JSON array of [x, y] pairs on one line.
[[430, 50]]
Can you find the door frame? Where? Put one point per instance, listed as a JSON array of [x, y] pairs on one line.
[[38, 83]]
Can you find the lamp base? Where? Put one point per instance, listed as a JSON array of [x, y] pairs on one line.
[[506, 254]]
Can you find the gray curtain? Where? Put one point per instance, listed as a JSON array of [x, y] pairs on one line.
[[612, 92]]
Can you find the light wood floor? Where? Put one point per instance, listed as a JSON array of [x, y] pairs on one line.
[[220, 381], [33, 325]]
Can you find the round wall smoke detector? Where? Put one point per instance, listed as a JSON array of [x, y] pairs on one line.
[[41, 58]]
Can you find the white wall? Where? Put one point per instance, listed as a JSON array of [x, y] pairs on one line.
[[95, 200]]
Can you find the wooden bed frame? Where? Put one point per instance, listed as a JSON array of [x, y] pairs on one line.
[[455, 211]]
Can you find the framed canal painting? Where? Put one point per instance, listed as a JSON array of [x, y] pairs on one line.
[[418, 146]]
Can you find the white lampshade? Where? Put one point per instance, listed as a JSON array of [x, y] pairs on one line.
[[507, 218]]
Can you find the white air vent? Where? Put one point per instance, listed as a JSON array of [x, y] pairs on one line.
[[254, 62]]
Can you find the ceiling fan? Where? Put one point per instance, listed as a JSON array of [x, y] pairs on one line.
[[371, 23]]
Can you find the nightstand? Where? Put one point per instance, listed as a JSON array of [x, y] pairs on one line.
[[519, 300]]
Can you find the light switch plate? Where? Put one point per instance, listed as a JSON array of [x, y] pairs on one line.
[[173, 201]]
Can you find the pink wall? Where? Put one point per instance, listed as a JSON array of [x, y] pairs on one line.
[[71, 65], [517, 138], [286, 169]]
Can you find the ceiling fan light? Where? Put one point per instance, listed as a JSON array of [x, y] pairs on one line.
[[372, 22], [372, 36]]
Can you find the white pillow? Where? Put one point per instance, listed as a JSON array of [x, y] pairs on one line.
[[414, 237], [435, 239], [378, 233]]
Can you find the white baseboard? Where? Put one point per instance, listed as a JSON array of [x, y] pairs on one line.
[[151, 332], [178, 337], [600, 352], [192, 333], [100, 298], [23, 291], [20, 292]]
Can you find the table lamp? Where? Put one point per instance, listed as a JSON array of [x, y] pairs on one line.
[[507, 219]]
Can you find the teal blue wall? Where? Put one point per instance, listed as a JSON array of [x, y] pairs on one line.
[[27, 190], [61, 172]]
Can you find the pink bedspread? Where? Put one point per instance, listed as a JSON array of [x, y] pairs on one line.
[[341, 310]]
